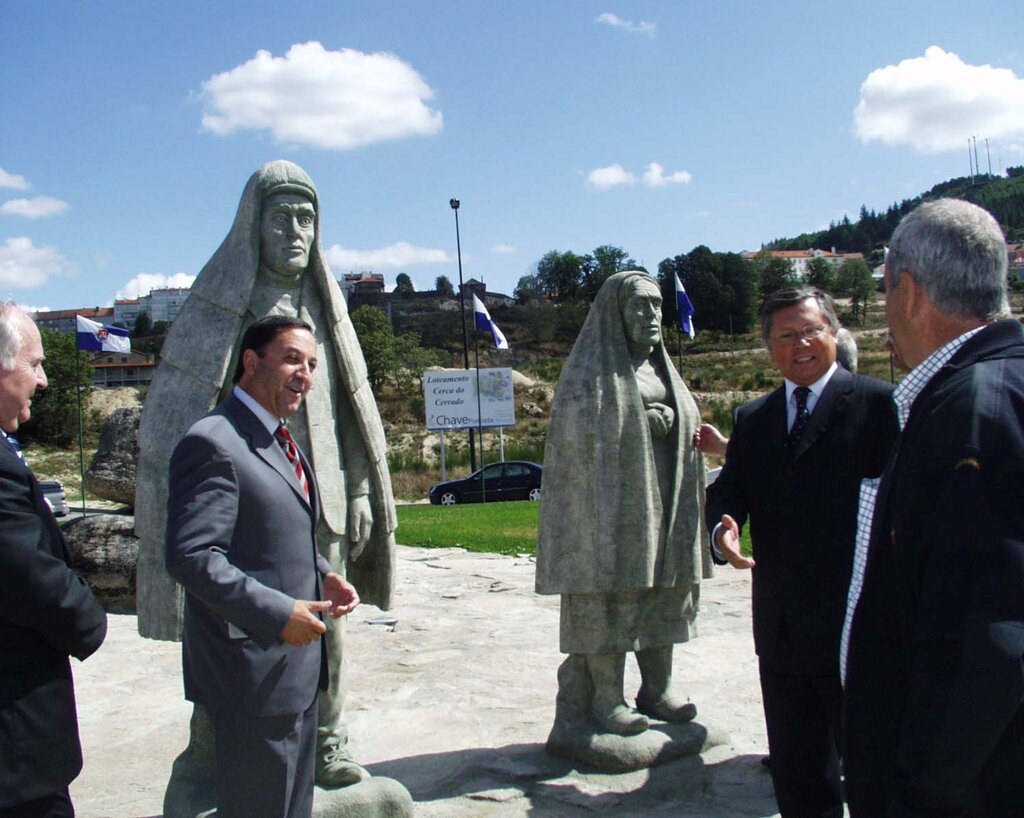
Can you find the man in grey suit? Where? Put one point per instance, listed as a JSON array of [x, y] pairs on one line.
[[242, 514]]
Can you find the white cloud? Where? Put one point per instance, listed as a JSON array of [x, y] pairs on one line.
[[336, 100], [12, 180], [23, 265], [38, 207], [609, 177], [144, 282], [393, 257], [615, 21], [31, 309], [503, 248], [933, 103], [654, 176]]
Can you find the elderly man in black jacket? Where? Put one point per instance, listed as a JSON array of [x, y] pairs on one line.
[[934, 674], [47, 613]]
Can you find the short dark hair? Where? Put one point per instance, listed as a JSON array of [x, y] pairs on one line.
[[262, 333], [790, 297]]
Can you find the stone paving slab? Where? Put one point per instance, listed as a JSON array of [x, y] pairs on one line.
[[455, 700]]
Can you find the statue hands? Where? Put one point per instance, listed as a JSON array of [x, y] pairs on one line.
[[660, 418], [360, 521]]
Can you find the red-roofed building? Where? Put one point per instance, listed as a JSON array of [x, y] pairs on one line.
[[799, 259]]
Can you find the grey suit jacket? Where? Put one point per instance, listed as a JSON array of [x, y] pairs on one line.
[[240, 540]]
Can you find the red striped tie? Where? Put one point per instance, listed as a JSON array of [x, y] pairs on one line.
[[291, 451]]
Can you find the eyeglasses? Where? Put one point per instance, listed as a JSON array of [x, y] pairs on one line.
[[812, 333]]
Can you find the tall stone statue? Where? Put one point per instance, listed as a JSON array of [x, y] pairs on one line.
[[620, 536], [272, 263]]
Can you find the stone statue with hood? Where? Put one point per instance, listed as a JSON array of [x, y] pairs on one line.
[[272, 263], [621, 537]]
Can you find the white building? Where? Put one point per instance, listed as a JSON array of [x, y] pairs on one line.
[[161, 305], [800, 259]]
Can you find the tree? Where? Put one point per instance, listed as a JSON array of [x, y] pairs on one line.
[[721, 287], [739, 285], [411, 358], [143, 325], [399, 359], [526, 290], [858, 284], [821, 273], [55, 409], [403, 284], [773, 273], [444, 288], [376, 341], [559, 275], [605, 261]]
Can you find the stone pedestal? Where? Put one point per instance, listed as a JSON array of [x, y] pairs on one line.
[[577, 736]]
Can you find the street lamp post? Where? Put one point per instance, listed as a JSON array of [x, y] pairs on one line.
[[462, 312]]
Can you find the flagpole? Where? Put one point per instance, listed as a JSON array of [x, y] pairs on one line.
[[99, 338], [454, 203], [479, 413], [81, 444]]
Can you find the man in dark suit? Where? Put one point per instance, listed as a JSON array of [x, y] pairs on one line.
[[47, 613], [242, 516], [934, 677], [793, 466]]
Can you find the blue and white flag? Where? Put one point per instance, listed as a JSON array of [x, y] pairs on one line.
[[100, 337], [685, 307], [483, 322]]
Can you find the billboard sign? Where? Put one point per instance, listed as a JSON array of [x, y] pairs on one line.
[[450, 399]]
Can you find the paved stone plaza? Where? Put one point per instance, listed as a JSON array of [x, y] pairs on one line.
[[453, 693]]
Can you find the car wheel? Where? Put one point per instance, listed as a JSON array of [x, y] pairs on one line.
[[534, 494], [449, 498]]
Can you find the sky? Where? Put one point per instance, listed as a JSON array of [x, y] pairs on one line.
[[129, 128]]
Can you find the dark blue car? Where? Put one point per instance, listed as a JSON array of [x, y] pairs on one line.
[[511, 480]]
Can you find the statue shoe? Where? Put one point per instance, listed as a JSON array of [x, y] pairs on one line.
[[622, 721], [670, 708], [335, 768]]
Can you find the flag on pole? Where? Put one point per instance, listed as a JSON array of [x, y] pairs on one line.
[[685, 307], [99, 337], [483, 322]]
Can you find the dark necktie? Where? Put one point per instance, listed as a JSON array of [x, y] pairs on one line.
[[801, 393], [291, 451]]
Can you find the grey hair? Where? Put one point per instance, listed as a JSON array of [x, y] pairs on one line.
[[956, 251], [846, 349], [11, 338], [790, 297]]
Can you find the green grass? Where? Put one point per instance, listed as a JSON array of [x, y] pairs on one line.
[[494, 528]]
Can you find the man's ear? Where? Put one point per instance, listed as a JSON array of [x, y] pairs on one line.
[[914, 297], [249, 358]]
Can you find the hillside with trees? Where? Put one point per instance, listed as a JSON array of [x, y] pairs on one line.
[[1002, 197]]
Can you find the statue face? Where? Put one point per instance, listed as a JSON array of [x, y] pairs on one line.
[[287, 232], [641, 315]]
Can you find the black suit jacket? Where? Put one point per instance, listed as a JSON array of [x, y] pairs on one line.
[[47, 613], [240, 539], [935, 667], [802, 507]]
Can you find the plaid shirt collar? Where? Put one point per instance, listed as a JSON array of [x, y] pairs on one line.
[[919, 377]]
